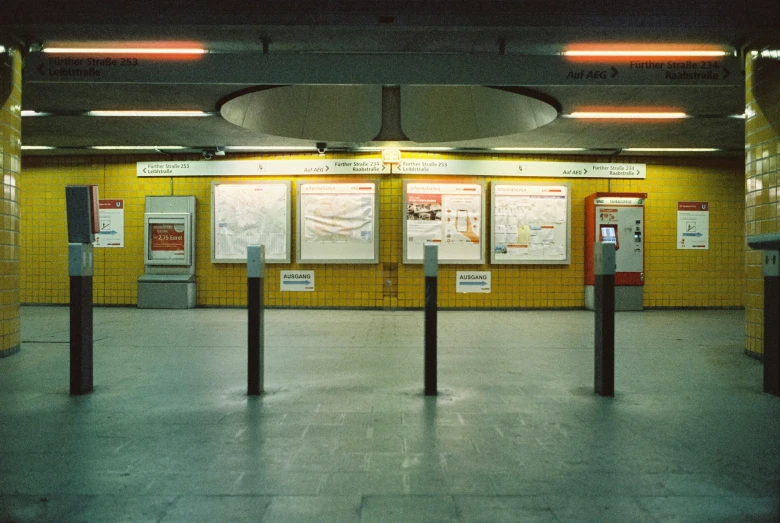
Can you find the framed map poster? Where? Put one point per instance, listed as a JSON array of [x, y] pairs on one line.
[[530, 223], [338, 222], [250, 214]]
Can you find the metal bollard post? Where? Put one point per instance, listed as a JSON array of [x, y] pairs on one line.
[[771, 324], [431, 271], [80, 270], [604, 342], [255, 277]]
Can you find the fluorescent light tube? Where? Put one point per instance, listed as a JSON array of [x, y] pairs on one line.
[[175, 114], [427, 148], [36, 147], [137, 147], [123, 50], [551, 149], [26, 113], [672, 149], [270, 148], [630, 115], [647, 53]]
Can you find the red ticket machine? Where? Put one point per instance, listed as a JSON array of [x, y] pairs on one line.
[[617, 218]]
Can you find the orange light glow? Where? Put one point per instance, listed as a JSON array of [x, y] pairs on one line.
[[631, 51], [147, 50]]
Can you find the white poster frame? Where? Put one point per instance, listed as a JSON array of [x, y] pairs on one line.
[[306, 251], [288, 222], [443, 255], [503, 261]]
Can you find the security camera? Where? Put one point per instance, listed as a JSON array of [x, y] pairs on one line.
[[208, 155], [321, 147], [219, 151]]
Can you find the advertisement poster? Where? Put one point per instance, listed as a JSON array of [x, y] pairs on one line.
[[250, 214], [112, 224], [167, 241], [445, 213], [693, 225], [337, 222], [530, 223]]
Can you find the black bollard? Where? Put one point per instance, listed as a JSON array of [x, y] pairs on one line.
[[604, 342], [80, 269], [255, 272], [431, 271], [771, 323]]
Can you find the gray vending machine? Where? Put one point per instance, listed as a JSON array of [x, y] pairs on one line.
[[169, 254]]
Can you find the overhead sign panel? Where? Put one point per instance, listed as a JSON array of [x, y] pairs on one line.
[[526, 169], [259, 167], [406, 166], [383, 69]]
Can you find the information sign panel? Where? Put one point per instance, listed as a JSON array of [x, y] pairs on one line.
[[530, 223], [693, 225], [450, 214], [245, 214], [338, 222], [112, 224]]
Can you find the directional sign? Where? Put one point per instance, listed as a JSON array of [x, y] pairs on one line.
[[259, 168], [472, 281], [382, 69], [297, 281], [112, 224], [524, 169], [376, 166]]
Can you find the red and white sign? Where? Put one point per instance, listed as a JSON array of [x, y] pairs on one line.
[[167, 240], [693, 225], [111, 231]]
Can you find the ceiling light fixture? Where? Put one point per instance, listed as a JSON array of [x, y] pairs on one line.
[[672, 149], [137, 147], [36, 147], [642, 53], [26, 113], [423, 149], [626, 115], [232, 148], [124, 50], [176, 114], [546, 149]]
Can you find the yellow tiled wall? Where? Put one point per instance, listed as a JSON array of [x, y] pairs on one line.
[[10, 160], [762, 170], [673, 278]]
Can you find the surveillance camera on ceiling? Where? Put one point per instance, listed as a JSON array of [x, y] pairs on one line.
[[321, 147]]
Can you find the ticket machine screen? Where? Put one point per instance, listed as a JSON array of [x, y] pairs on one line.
[[609, 234]]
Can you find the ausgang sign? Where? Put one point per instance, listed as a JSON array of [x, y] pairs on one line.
[[472, 281]]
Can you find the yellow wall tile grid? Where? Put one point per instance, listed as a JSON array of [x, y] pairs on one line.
[[10, 224], [674, 278], [762, 170]]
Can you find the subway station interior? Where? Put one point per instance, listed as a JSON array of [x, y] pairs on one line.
[[390, 261]]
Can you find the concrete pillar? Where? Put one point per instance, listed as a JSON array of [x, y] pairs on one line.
[[762, 179], [10, 167]]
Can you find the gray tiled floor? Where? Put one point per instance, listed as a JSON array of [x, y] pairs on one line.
[[344, 433]]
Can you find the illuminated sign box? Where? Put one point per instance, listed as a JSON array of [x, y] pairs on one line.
[[167, 239]]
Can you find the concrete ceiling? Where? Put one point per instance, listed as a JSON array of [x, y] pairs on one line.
[[424, 29]]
